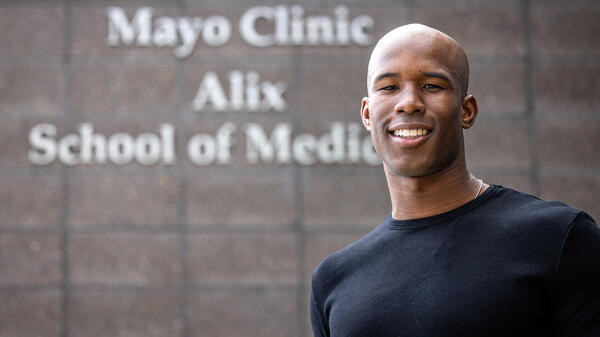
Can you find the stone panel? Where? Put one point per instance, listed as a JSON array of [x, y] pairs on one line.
[[89, 31], [581, 4], [30, 91], [234, 3], [196, 76], [244, 221], [124, 202], [469, 4], [31, 31], [499, 144], [156, 166], [14, 143], [30, 203], [571, 36], [499, 89], [124, 259], [30, 259], [30, 313], [28, 4], [236, 48], [346, 200], [242, 259], [240, 201], [566, 89], [123, 92], [123, 313], [322, 90], [232, 159], [126, 3], [385, 18], [568, 143], [243, 313], [481, 32]]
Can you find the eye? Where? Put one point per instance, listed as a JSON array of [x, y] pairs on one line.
[[432, 86], [389, 87]]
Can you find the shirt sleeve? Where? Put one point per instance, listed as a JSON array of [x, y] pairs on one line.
[[577, 280], [316, 319]]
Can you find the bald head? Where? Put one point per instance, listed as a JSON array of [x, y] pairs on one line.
[[428, 42]]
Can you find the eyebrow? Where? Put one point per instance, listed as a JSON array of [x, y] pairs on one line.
[[438, 75], [428, 74], [384, 75]]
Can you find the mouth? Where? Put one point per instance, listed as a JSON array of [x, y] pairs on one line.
[[410, 134]]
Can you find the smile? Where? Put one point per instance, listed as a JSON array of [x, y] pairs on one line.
[[410, 133]]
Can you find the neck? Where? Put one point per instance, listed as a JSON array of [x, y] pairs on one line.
[[419, 197]]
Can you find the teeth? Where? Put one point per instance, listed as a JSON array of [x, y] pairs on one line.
[[410, 133]]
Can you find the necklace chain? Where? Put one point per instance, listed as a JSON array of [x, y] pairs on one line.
[[480, 187]]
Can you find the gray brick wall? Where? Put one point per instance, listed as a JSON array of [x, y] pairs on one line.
[[227, 250]]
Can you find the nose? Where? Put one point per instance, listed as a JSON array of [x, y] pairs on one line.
[[409, 100]]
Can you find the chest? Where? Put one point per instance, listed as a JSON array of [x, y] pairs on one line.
[[440, 295]]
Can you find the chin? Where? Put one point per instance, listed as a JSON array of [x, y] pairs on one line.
[[409, 167], [412, 169]]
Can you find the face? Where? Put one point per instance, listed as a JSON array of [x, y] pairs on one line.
[[415, 110]]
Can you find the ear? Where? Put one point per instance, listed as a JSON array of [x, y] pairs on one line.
[[364, 113], [469, 111]]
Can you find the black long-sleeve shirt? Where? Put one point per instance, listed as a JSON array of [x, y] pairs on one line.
[[504, 264]]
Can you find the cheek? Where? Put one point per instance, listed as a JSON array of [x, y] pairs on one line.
[[379, 109], [449, 111], [375, 117], [451, 138]]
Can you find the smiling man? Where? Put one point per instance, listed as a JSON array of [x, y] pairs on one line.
[[456, 256]]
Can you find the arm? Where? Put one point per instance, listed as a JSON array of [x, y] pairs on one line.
[[577, 280], [316, 319]]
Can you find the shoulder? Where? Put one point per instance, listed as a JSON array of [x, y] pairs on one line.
[[584, 234], [519, 201], [576, 295], [345, 261], [525, 212], [513, 223]]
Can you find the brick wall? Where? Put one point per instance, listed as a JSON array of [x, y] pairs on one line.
[[227, 250]]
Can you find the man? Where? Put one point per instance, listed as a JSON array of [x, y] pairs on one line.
[[456, 257]]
